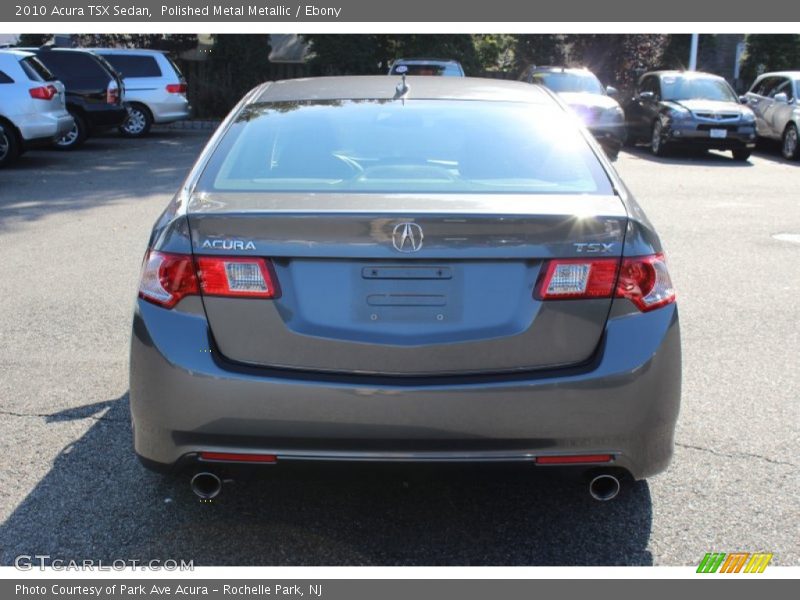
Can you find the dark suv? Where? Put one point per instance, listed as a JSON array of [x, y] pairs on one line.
[[93, 91], [689, 109]]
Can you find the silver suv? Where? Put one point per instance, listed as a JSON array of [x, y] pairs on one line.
[[773, 99], [155, 90], [32, 110]]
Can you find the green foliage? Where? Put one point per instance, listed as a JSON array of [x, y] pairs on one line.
[[341, 54], [617, 59], [539, 49], [27, 40], [770, 52]]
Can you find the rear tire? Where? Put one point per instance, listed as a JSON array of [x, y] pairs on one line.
[[741, 154], [790, 147], [657, 145], [138, 122], [76, 136], [9, 146]]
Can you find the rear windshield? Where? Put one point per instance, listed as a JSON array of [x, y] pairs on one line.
[[569, 82], [72, 65], [132, 66], [446, 70], [35, 70], [411, 146]]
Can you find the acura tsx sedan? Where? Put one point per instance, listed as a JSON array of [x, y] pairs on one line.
[[404, 269]]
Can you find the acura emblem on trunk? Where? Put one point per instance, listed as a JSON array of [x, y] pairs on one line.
[[407, 237]]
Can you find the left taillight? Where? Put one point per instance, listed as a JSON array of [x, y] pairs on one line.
[[44, 92], [167, 277]]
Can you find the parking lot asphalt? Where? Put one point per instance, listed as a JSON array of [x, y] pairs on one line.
[[73, 229]]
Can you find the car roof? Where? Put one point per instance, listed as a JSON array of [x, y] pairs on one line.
[[16, 52], [125, 51], [555, 69], [384, 87], [418, 61], [676, 73], [791, 74]]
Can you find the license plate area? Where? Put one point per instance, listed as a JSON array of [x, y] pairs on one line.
[[718, 133]]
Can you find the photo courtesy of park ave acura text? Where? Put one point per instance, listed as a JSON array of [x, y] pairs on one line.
[[397, 299]]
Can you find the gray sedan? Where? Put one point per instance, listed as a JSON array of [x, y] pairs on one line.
[[773, 98], [404, 269]]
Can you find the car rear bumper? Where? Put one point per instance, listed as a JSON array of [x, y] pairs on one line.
[[185, 400], [42, 129], [106, 116], [176, 109]]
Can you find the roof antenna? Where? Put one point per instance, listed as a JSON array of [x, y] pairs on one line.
[[402, 88]]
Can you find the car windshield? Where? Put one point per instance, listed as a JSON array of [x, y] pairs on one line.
[[696, 88], [406, 146], [569, 82]]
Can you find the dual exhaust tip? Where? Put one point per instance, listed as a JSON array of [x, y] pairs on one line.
[[603, 487]]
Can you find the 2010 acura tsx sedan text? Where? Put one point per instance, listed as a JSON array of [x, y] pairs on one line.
[[416, 269]]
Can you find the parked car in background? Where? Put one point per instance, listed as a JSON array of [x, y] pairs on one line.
[[691, 110], [32, 108], [594, 104], [773, 98], [449, 273], [93, 92], [155, 90], [427, 66]]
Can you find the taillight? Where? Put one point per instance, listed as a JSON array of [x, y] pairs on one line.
[[236, 277], [167, 277], [644, 280], [577, 278], [44, 92], [112, 93], [176, 88]]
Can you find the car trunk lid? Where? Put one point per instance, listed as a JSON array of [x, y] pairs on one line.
[[442, 286]]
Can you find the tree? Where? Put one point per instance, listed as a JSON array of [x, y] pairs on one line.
[[770, 52], [617, 59], [539, 49]]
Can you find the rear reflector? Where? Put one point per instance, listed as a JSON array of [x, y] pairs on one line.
[[236, 457], [236, 277], [644, 280], [574, 459], [44, 92], [176, 88]]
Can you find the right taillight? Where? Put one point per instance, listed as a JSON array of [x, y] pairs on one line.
[[644, 280], [168, 277]]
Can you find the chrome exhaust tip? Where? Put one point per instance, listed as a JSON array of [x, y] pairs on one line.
[[604, 487], [206, 485]]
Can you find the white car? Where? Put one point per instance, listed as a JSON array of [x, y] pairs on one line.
[[774, 100], [32, 108], [155, 90]]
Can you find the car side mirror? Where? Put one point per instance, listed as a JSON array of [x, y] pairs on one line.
[[781, 98], [647, 96], [612, 91], [743, 100]]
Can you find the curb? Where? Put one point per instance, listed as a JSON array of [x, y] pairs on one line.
[[192, 124]]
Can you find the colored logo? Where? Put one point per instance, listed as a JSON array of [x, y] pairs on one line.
[[734, 562]]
